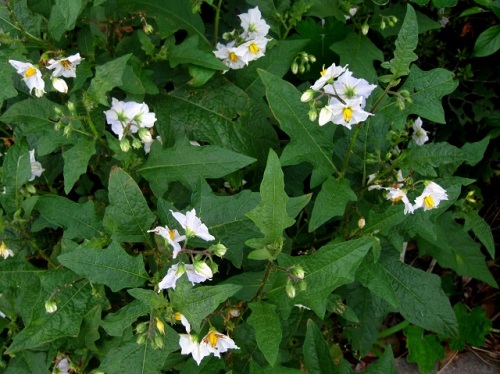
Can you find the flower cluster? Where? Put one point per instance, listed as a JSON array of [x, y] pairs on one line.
[[429, 199], [213, 342], [247, 44], [127, 118], [198, 271], [32, 76], [346, 97]]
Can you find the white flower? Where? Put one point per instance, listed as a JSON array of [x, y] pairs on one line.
[[327, 76], [189, 345], [65, 67], [419, 134], [396, 194], [180, 317], [193, 275], [31, 76], [348, 87], [217, 343], [62, 367], [36, 167], [348, 113], [254, 49], [202, 269], [2, 314], [231, 56], [431, 196], [128, 116], [172, 236], [253, 24], [193, 225], [60, 85], [5, 252], [352, 12]]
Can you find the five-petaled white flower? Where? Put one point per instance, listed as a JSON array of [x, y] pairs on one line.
[[172, 236], [431, 196], [232, 55], [217, 343], [31, 76], [125, 117], [419, 134], [254, 26], [328, 75], [189, 345], [62, 367], [195, 275], [5, 252], [345, 114], [193, 225], [348, 87], [65, 67], [36, 167], [396, 194]]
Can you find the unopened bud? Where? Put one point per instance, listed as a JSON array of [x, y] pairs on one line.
[[67, 131], [302, 285], [290, 290], [218, 249], [31, 189], [141, 327], [302, 69], [71, 106], [157, 342], [365, 28], [313, 114], [203, 269], [160, 326], [136, 143], [394, 19], [307, 96], [148, 29], [234, 312], [298, 272], [361, 222], [125, 145], [59, 85], [312, 59], [295, 68], [141, 339], [145, 135], [382, 25], [50, 306]]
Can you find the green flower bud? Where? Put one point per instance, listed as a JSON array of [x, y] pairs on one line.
[[298, 272], [50, 306], [295, 68], [312, 59], [365, 28], [136, 143], [361, 222], [218, 249], [125, 145], [290, 290], [141, 327], [145, 135], [307, 96], [313, 114], [141, 339]]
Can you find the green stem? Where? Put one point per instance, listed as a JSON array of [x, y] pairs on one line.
[[216, 25], [349, 150], [263, 283], [393, 329], [92, 126]]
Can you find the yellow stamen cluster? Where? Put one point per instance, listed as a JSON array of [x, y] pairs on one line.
[[347, 114], [233, 57], [429, 202], [66, 64], [30, 72], [254, 48], [212, 338]]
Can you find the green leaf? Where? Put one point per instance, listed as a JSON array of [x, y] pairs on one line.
[[309, 142], [198, 302], [480, 228], [188, 52], [267, 329], [107, 77], [250, 283], [424, 350], [488, 42], [384, 364], [317, 357], [219, 113], [357, 51], [186, 163], [8, 89], [453, 248], [76, 160], [110, 266], [444, 3], [77, 220], [116, 323], [405, 45], [277, 61], [140, 358], [426, 91], [472, 327], [331, 201], [31, 115], [73, 303], [427, 158], [420, 296], [225, 217], [127, 217], [271, 216], [70, 11], [28, 362], [171, 16], [16, 171], [331, 266]]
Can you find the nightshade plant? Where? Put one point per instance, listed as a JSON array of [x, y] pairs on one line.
[[196, 206]]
